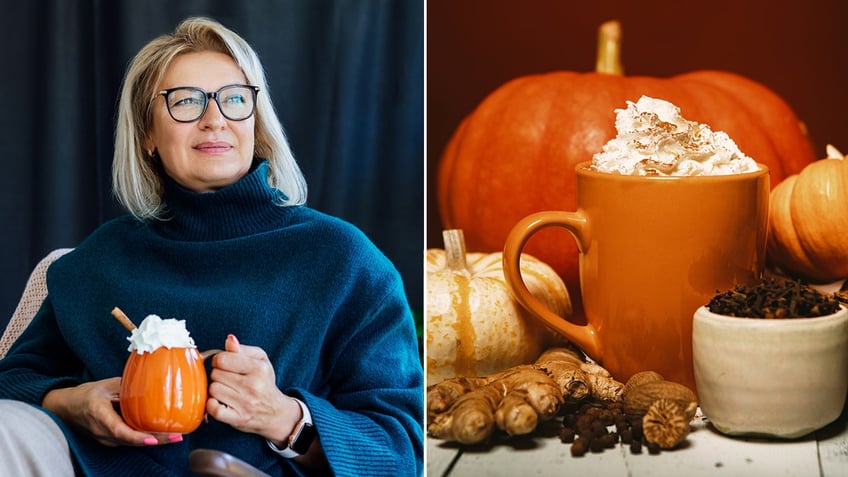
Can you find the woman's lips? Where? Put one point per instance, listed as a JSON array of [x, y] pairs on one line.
[[213, 147]]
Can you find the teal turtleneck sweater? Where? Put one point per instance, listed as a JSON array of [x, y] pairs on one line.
[[326, 306]]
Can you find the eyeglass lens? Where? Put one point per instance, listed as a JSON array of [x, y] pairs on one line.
[[187, 104]]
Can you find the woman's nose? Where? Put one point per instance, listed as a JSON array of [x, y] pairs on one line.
[[212, 118]]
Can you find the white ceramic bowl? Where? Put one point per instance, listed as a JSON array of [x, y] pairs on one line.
[[771, 377]]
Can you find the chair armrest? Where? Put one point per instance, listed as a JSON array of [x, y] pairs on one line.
[[213, 463]]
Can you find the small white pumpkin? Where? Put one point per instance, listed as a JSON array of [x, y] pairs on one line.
[[474, 326]]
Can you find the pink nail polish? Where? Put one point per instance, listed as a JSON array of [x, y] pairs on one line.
[[233, 337], [175, 438], [150, 441]]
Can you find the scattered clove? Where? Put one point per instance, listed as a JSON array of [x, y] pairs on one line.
[[599, 425]]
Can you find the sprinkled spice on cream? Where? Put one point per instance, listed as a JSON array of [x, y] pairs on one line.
[[655, 140]]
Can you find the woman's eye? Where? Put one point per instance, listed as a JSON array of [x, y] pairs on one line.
[[236, 98], [190, 101]]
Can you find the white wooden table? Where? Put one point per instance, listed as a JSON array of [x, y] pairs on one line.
[[705, 453]]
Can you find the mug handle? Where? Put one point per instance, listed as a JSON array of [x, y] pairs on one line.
[[577, 224]]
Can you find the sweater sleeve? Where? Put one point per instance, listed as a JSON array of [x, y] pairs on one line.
[[374, 423], [38, 361]]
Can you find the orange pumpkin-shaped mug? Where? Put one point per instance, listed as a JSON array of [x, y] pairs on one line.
[[164, 390], [164, 383], [652, 250]]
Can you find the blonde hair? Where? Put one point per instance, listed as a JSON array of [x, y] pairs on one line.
[[136, 178]]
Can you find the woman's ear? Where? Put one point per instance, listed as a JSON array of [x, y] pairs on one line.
[[149, 146]]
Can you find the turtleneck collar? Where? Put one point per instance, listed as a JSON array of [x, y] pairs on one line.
[[246, 207]]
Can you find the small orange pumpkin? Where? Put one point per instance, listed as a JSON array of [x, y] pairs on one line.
[[808, 221], [164, 391], [474, 326]]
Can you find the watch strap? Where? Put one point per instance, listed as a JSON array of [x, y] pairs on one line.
[[297, 434]]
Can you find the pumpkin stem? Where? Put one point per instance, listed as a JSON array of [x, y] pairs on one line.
[[833, 152], [609, 49], [455, 249]]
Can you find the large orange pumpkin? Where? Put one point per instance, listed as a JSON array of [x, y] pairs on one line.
[[515, 153], [164, 391]]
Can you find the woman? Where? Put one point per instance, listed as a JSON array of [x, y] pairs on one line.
[[312, 317]]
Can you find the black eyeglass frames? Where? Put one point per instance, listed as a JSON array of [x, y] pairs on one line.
[[187, 104]]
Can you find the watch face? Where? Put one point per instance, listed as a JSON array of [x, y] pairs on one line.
[[304, 438]]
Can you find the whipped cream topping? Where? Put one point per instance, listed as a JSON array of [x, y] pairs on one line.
[[155, 333], [655, 140]]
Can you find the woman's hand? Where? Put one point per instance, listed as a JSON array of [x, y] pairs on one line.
[[243, 393], [91, 408]]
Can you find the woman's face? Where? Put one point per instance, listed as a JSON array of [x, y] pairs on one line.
[[212, 152]]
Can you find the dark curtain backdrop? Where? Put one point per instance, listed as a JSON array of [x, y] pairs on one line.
[[346, 77]]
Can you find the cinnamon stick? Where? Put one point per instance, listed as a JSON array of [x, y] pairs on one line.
[[122, 317]]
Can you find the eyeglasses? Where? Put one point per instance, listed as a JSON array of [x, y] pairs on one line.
[[187, 104]]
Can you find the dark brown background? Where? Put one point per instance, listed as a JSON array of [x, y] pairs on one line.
[[797, 48]]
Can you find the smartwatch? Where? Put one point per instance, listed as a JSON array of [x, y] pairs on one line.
[[301, 437]]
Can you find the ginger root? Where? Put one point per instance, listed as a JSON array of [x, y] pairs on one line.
[[466, 409]]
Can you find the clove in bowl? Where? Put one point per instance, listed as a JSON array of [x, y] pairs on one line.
[[771, 359]]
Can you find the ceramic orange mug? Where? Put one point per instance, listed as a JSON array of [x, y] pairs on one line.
[[652, 250]]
